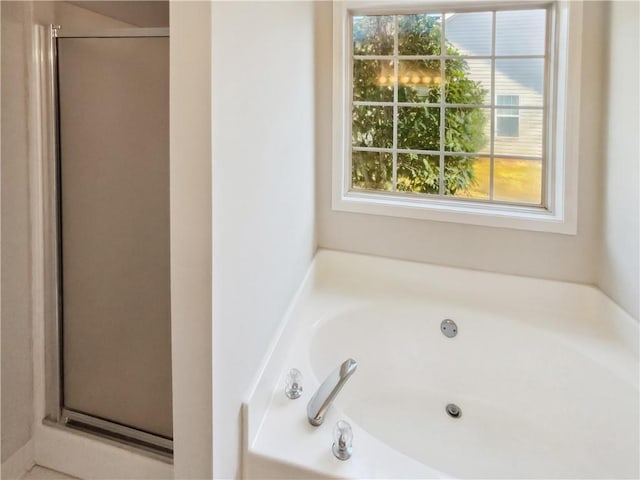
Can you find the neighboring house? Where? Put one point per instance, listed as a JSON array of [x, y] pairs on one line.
[[518, 82]]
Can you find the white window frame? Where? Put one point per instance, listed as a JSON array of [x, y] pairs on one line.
[[560, 194]]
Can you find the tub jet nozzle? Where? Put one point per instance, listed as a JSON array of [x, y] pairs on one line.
[[453, 410]]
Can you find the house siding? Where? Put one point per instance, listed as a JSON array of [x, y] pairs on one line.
[[470, 33]]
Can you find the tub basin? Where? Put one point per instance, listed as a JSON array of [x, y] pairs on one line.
[[545, 374]]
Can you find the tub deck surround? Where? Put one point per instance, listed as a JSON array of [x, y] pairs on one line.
[[545, 374]]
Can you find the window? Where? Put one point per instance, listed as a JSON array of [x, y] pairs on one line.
[[421, 130], [507, 119]]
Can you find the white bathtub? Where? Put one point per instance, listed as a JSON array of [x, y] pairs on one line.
[[545, 373]]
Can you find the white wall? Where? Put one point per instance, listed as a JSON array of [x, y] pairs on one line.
[[619, 269], [263, 192], [190, 197], [16, 332], [555, 256]]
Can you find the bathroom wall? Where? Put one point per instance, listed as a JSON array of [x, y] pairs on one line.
[[153, 13], [619, 274], [190, 198], [263, 192], [68, 15], [554, 256], [17, 373]]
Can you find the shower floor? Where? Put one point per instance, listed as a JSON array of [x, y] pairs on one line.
[[41, 473]]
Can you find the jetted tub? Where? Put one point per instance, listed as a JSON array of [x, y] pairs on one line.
[[545, 375]]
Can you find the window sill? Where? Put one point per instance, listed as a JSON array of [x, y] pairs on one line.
[[481, 214]]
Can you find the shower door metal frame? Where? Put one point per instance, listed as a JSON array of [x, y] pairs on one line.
[[55, 410]]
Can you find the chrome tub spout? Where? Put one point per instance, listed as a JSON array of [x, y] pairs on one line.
[[327, 392]]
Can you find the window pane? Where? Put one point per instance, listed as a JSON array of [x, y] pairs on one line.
[[373, 35], [373, 80], [518, 132], [513, 105], [523, 77], [419, 81], [517, 180], [520, 32], [371, 171], [467, 130], [419, 128], [372, 126], [466, 176], [507, 126], [468, 81], [468, 33], [418, 173], [507, 101], [419, 34]]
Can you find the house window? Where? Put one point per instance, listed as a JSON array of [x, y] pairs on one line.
[[507, 119], [421, 129]]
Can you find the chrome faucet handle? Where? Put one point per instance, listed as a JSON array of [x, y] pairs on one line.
[[342, 440], [293, 384], [327, 392]]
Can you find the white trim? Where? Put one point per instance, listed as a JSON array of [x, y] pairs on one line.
[[492, 119], [191, 237], [568, 73], [390, 7], [85, 456], [447, 57], [443, 101], [396, 74], [487, 214], [561, 176], [19, 463], [361, 103]]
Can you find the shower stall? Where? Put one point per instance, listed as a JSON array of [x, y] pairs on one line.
[[105, 101]]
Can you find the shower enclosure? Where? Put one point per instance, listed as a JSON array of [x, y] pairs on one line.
[[108, 332]]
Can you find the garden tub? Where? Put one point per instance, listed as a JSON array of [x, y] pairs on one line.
[[544, 376]]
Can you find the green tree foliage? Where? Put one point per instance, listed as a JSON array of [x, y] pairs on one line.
[[418, 128]]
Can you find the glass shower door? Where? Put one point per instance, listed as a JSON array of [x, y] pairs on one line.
[[113, 184]]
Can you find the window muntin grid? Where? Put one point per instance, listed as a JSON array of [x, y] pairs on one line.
[[493, 108]]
